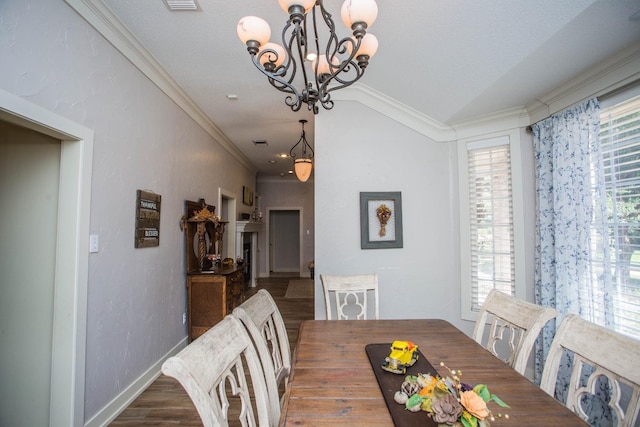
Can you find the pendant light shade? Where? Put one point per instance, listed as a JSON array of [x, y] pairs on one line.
[[303, 168]]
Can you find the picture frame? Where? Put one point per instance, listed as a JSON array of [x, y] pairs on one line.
[[381, 220], [247, 196]]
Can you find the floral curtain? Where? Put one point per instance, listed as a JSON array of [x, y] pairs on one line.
[[569, 186]]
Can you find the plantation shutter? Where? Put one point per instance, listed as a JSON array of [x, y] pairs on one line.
[[620, 144], [491, 219]]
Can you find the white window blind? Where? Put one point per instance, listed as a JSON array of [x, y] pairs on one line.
[[620, 142], [490, 220]]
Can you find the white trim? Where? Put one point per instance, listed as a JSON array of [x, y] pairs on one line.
[[108, 25], [619, 70], [131, 393], [72, 253], [397, 111], [498, 121], [513, 138], [230, 228]]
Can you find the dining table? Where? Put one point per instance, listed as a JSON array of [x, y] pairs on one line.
[[333, 378]]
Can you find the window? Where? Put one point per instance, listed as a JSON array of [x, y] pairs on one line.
[[620, 146], [488, 232]]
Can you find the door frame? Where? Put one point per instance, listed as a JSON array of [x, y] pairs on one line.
[[229, 198], [300, 232], [72, 253]]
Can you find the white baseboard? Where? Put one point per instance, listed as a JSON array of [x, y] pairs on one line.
[[110, 412]]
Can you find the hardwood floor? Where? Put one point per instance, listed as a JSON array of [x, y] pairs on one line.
[[165, 403]]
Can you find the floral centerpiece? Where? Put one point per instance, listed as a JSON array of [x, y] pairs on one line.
[[448, 400]]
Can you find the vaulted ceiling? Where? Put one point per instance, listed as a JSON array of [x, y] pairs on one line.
[[448, 60]]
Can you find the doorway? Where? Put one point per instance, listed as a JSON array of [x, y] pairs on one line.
[[227, 211], [67, 330], [284, 241], [29, 176]]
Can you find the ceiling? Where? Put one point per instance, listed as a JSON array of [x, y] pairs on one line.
[[449, 60]]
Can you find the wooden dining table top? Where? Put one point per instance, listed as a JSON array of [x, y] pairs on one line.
[[332, 382]]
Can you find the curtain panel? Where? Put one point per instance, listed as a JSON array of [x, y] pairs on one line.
[[571, 226]]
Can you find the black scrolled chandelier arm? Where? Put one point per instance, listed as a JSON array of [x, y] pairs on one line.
[[341, 68]]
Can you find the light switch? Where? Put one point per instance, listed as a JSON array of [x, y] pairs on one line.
[[94, 243]]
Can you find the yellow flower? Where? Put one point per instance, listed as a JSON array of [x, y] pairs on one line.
[[474, 404]]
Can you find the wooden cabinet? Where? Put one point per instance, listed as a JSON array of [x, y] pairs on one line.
[[211, 296], [213, 290]]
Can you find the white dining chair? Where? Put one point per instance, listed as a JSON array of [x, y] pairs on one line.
[[212, 370], [609, 354], [262, 318], [350, 295], [521, 320]]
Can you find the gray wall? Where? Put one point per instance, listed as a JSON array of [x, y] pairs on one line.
[[282, 194], [136, 297], [422, 279]]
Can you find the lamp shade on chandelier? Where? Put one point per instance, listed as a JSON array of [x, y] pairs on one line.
[[299, 67], [302, 165]]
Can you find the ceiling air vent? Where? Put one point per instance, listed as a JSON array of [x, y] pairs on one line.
[[260, 142], [182, 5]]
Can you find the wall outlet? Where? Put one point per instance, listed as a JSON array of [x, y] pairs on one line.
[[184, 318]]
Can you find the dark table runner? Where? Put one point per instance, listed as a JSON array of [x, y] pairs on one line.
[[390, 383]]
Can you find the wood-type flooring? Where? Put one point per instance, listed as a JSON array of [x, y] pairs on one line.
[[165, 403]]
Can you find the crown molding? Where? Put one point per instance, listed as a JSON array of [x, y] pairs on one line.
[[498, 121], [107, 24], [397, 111], [619, 70]]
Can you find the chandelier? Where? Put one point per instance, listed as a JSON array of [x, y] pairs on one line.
[[297, 66], [303, 164]]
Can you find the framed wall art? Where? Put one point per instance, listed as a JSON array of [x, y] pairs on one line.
[[247, 196], [147, 231], [381, 220]]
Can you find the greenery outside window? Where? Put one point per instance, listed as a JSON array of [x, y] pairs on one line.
[[620, 145]]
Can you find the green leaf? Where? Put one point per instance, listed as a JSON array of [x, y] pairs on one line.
[[472, 422], [414, 400], [482, 391], [499, 401], [411, 379]]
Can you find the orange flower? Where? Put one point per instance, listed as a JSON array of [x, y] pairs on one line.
[[474, 404], [428, 389]]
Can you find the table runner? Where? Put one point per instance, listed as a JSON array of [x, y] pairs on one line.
[[390, 383]]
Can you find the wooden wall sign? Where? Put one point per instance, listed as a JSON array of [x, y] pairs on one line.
[[147, 219]]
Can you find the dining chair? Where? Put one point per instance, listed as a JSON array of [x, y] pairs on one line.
[[523, 322], [350, 296], [262, 318], [212, 370], [610, 355]]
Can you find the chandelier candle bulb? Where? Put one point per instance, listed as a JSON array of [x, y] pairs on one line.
[[253, 28], [305, 4], [272, 55], [323, 64], [356, 11]]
